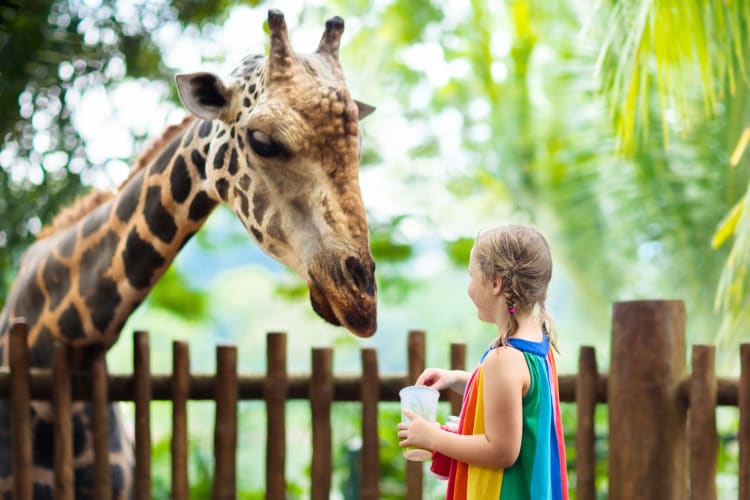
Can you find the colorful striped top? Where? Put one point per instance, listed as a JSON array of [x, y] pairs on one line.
[[540, 471]]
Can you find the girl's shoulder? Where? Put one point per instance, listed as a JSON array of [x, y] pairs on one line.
[[509, 363]]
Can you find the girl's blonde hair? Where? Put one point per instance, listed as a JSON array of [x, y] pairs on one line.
[[520, 257]]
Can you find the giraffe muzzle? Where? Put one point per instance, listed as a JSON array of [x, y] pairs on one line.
[[347, 296]]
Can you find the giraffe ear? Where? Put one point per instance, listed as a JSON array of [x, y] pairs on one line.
[[203, 94], [364, 109]]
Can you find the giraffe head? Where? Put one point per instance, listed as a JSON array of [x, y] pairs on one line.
[[283, 152]]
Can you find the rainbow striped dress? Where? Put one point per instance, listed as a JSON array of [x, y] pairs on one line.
[[540, 471]]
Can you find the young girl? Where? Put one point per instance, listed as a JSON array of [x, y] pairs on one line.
[[509, 443]]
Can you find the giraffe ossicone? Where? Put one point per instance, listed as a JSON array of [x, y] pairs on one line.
[[278, 141]]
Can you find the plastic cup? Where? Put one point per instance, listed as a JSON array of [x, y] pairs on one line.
[[423, 401]]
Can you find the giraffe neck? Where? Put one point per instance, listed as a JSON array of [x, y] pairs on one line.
[[81, 284]]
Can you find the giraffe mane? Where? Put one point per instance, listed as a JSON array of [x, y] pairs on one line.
[[85, 204]]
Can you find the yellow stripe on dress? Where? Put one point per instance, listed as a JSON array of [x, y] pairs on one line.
[[482, 482]]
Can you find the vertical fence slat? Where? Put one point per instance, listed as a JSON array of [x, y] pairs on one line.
[[458, 362], [647, 419], [142, 399], [100, 403], [225, 430], [20, 401], [702, 437], [63, 424], [370, 456], [587, 383], [180, 395], [321, 395], [275, 390], [744, 432], [416, 365]]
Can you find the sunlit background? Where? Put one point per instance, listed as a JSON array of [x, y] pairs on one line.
[[616, 133]]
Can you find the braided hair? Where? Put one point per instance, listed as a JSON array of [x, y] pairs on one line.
[[520, 257]]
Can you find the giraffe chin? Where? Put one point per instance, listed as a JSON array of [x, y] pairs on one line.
[[360, 319]]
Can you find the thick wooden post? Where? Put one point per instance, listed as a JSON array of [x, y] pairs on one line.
[[647, 418]]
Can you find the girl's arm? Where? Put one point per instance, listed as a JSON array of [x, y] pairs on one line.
[[506, 376]]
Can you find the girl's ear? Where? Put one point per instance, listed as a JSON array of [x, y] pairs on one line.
[[497, 285]]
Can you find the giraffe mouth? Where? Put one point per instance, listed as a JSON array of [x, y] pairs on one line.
[[354, 307]]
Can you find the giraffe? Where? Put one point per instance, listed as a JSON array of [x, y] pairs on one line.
[[279, 143]]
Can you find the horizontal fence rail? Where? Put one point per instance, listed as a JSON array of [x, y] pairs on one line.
[[698, 394]]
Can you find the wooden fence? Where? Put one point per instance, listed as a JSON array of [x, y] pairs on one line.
[[662, 425]]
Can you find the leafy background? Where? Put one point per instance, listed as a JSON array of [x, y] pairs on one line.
[[617, 128]]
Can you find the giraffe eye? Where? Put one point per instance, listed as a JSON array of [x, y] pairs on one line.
[[263, 145]]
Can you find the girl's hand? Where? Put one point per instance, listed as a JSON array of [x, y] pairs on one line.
[[417, 432], [439, 379]]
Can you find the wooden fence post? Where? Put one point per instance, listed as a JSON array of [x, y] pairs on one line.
[[321, 396], [416, 365], [100, 427], [180, 393], [704, 441], [61, 402], [647, 419], [743, 398], [142, 398], [370, 456], [20, 404], [458, 362], [226, 394], [587, 385], [275, 392]]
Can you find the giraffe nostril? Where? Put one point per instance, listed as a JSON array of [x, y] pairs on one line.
[[365, 281]]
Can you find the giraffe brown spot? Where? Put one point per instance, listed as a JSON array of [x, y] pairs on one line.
[[70, 323], [68, 244], [246, 102], [220, 153], [31, 303], [159, 220], [257, 234], [128, 200], [274, 229], [40, 354], [162, 161], [222, 187], [95, 262], [260, 205], [103, 302], [95, 220], [245, 182], [233, 162], [199, 162], [201, 206], [244, 205], [179, 180], [43, 434], [141, 260], [56, 278], [205, 128], [43, 491]]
